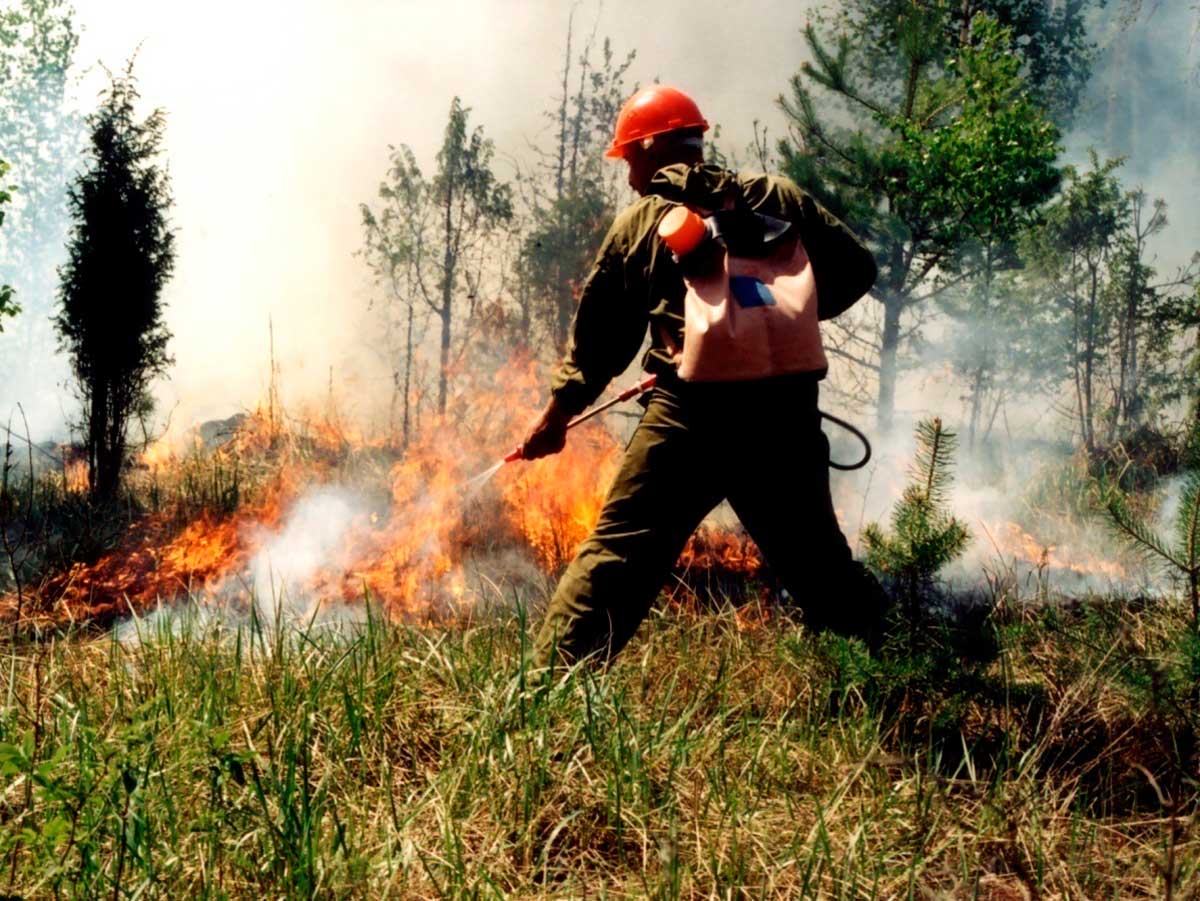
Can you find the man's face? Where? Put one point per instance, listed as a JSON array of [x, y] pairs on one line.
[[643, 163]]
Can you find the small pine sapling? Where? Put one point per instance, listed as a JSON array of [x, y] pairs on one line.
[[924, 535], [1179, 552]]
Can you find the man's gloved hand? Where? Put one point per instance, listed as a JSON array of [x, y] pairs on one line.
[[548, 435]]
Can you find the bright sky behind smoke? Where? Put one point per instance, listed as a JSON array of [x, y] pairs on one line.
[[279, 119]]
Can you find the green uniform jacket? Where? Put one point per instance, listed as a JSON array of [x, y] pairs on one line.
[[635, 281]]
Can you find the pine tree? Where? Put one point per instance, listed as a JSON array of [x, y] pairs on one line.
[[121, 254], [924, 536], [1180, 551], [924, 138]]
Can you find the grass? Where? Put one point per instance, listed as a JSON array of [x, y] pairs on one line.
[[723, 755], [1047, 750]]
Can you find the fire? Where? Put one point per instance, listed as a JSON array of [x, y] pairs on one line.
[[555, 502], [413, 535], [1010, 540], [75, 474]]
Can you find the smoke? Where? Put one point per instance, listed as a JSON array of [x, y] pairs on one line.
[[313, 538], [280, 116], [1143, 104]]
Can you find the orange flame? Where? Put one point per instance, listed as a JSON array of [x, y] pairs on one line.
[[1010, 540], [412, 553]]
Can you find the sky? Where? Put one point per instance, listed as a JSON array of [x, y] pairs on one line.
[[279, 121]]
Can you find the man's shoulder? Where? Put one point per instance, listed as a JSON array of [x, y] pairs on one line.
[[636, 222], [763, 188]]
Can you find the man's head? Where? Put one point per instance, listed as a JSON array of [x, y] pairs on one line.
[[656, 127]]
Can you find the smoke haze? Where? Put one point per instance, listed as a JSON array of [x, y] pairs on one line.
[[279, 121], [280, 117]]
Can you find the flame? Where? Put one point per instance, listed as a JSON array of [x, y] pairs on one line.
[[556, 501], [415, 540], [1011, 540], [75, 475], [411, 551]]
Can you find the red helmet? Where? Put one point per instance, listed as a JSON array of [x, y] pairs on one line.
[[652, 111]]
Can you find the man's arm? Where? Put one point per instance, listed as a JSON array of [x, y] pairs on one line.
[[605, 336], [843, 267]]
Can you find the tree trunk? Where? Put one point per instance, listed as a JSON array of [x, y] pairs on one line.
[[444, 367], [106, 445], [448, 267], [983, 369], [408, 352], [1089, 359], [888, 363], [976, 405]]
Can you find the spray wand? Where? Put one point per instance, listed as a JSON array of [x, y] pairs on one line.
[[628, 394], [516, 453]]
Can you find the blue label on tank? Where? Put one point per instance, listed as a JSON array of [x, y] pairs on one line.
[[750, 292]]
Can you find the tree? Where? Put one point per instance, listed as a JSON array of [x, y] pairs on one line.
[[469, 203], [925, 536], [927, 170], [991, 168], [572, 198], [1149, 317], [121, 254], [40, 139], [1121, 348], [1050, 38], [7, 306], [395, 247], [1071, 255], [1180, 552]]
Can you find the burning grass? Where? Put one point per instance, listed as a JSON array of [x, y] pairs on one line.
[[310, 509], [717, 758]]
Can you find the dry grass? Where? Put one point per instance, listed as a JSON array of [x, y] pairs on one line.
[[722, 756]]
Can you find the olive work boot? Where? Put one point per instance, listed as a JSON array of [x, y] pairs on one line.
[[861, 609]]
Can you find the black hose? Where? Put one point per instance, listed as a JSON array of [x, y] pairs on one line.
[[850, 467]]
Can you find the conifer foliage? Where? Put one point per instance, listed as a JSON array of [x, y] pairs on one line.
[[925, 536], [121, 254], [1180, 551]]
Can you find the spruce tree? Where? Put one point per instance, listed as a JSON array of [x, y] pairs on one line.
[[121, 254]]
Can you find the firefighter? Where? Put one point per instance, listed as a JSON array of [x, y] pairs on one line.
[[757, 444]]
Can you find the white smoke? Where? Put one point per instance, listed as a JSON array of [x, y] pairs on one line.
[[313, 538]]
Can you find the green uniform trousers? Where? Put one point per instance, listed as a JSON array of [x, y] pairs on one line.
[[759, 445]]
